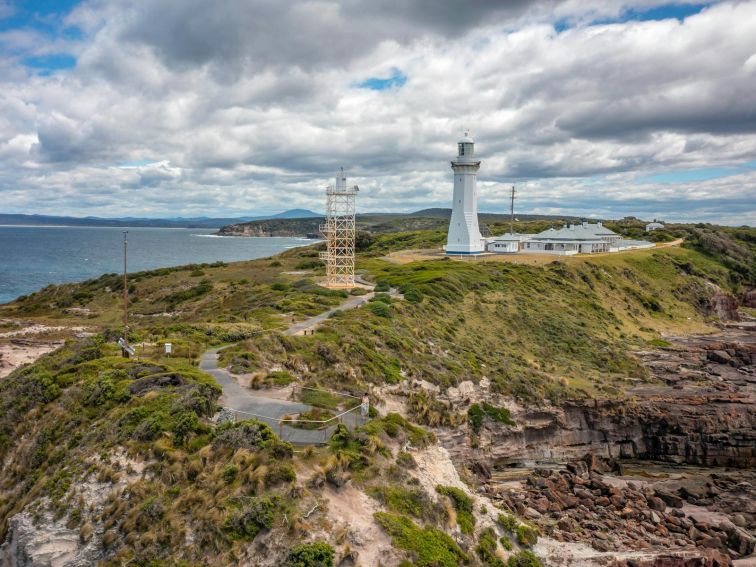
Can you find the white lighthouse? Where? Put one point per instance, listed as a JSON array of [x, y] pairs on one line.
[[464, 234]]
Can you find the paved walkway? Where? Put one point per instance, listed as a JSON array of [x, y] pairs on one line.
[[312, 322], [237, 398]]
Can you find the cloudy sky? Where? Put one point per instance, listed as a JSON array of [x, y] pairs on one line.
[[240, 107]]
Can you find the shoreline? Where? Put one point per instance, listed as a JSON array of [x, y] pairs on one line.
[[298, 243]]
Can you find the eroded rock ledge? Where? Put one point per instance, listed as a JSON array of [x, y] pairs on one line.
[[705, 414]]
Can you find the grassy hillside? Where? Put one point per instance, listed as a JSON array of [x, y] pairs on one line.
[[533, 330], [123, 452]]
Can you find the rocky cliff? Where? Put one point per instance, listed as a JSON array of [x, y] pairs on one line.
[[305, 228], [688, 444], [705, 415]]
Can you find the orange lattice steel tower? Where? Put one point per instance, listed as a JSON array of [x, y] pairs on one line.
[[338, 231]]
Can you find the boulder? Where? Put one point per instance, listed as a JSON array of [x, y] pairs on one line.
[[671, 500], [577, 468], [739, 520], [542, 505], [600, 544], [720, 356], [711, 542], [656, 503], [741, 541], [583, 494]]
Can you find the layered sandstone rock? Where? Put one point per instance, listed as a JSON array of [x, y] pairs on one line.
[[705, 415]]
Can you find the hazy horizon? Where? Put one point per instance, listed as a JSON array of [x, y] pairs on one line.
[[167, 217]]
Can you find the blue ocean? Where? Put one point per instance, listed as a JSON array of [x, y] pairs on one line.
[[32, 257]]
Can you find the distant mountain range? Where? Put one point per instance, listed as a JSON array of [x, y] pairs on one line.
[[294, 222], [176, 222]]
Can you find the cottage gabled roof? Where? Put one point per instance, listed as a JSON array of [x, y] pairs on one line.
[[584, 231]]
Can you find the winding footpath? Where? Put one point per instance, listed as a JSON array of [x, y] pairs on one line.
[[242, 400]]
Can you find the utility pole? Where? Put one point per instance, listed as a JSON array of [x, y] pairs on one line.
[[125, 294], [511, 212]]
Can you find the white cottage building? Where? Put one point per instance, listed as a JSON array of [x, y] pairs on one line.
[[584, 238], [506, 243]]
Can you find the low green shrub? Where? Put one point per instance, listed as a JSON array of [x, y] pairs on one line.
[[398, 427], [524, 558], [476, 414], [230, 473], [380, 309], [316, 554], [279, 378], [508, 522], [255, 515], [197, 291], [250, 434], [412, 294], [526, 535], [400, 500], [280, 473], [462, 504], [320, 399], [405, 460], [487, 549], [429, 547]]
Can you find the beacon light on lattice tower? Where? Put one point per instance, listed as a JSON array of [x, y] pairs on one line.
[[464, 234], [338, 232]]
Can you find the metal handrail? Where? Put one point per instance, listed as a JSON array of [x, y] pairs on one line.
[[326, 390], [293, 420], [323, 425]]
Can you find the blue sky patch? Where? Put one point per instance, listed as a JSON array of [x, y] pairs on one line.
[[47, 64], [46, 18], [664, 12], [396, 80]]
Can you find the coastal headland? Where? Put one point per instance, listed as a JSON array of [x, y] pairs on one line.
[[593, 411]]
